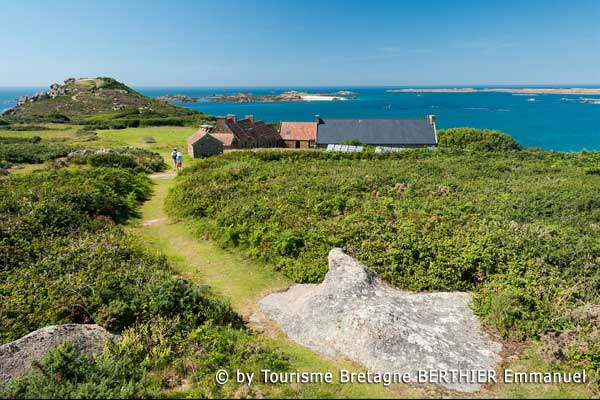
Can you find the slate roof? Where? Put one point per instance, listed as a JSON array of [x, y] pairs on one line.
[[418, 131], [298, 130]]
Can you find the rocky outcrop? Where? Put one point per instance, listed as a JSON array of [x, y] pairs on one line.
[[55, 91], [16, 357], [179, 97], [83, 152], [354, 314], [8, 111]]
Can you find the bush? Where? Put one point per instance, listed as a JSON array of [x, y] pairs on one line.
[[85, 132], [477, 139], [139, 160], [64, 373], [352, 142], [113, 160], [30, 150]]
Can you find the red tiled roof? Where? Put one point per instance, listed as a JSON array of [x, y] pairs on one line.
[[196, 136], [298, 130]]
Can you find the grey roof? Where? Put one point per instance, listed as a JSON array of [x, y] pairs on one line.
[[418, 131]]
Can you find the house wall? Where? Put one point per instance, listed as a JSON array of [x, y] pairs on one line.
[[304, 144], [205, 147]]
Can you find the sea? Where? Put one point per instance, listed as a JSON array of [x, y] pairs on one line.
[[549, 122]]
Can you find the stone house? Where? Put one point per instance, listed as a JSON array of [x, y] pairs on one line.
[[298, 135], [203, 144]]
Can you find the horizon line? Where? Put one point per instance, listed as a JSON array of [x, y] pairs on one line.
[[449, 85]]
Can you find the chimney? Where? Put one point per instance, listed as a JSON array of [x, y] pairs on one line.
[[250, 117], [431, 119], [232, 117]]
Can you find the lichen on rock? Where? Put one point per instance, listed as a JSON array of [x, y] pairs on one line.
[[16, 357], [354, 314]]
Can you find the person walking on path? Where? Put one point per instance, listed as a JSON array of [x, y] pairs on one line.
[[179, 160], [174, 157]]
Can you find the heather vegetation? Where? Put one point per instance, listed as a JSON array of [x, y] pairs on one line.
[[518, 227], [477, 139], [136, 159], [30, 150], [66, 259]]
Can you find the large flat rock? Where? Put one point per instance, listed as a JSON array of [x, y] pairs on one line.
[[354, 314], [16, 357]]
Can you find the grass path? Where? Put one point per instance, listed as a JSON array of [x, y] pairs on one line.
[[242, 282]]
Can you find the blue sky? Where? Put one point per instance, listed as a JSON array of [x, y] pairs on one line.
[[285, 42]]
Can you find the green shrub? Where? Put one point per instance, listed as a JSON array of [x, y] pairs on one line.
[[64, 373], [352, 142], [85, 132], [113, 160], [22, 127], [30, 150], [477, 139], [138, 160]]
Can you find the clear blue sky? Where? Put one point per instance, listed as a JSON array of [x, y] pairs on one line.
[[285, 42]]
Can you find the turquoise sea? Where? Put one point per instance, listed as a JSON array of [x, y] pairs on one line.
[[548, 122]]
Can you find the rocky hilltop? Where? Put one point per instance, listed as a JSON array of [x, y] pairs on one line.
[[78, 99]]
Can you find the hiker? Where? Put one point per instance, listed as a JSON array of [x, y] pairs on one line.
[[174, 157], [179, 159]]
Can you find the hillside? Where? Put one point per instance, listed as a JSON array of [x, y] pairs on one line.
[[102, 102]]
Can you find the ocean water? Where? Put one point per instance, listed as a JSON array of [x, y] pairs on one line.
[[548, 122]]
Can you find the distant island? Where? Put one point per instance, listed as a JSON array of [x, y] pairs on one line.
[[179, 97], [342, 95], [588, 91]]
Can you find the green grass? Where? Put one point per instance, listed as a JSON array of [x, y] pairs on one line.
[[166, 137]]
